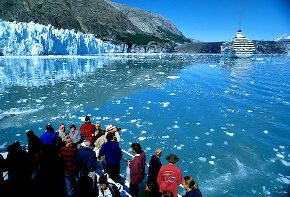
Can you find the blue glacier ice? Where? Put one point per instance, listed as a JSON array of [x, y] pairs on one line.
[[21, 38]]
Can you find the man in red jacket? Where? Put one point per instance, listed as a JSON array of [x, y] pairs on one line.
[[169, 176], [88, 130]]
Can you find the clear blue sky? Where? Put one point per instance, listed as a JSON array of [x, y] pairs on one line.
[[218, 20]]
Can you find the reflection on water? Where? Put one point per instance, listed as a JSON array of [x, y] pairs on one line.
[[237, 66]]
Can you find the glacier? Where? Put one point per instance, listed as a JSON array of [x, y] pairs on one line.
[[21, 38]]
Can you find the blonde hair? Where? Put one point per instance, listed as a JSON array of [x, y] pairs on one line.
[[158, 152], [190, 183]]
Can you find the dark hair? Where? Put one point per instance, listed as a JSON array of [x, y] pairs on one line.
[[167, 193], [72, 126], [136, 148], [87, 118], [49, 127], [103, 180], [110, 136]]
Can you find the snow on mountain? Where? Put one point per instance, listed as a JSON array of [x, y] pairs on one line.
[[283, 38], [35, 39]]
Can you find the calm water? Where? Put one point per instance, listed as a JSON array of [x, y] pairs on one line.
[[227, 120]]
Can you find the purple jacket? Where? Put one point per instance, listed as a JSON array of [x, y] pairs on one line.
[[137, 168]]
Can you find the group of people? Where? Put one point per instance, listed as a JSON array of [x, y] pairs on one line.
[[61, 163]]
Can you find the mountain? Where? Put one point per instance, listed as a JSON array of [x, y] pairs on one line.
[[105, 19], [284, 38], [262, 47]]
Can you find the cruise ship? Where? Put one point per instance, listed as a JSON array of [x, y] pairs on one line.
[[238, 47]]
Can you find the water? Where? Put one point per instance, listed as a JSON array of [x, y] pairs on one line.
[[227, 120]]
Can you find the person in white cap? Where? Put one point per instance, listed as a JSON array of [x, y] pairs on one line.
[[113, 129]]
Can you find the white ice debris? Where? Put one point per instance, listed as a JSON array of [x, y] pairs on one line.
[[173, 77], [211, 162], [230, 134], [283, 180], [280, 156], [165, 136], [203, 159], [141, 138], [165, 104], [176, 127]]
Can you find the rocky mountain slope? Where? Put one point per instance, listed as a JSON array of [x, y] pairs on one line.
[[105, 19]]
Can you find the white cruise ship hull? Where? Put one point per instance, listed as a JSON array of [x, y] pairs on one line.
[[237, 54]]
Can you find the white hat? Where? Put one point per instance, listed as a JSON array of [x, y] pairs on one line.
[[109, 127]]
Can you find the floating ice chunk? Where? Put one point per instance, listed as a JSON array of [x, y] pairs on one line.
[[275, 149], [212, 157], [250, 111], [18, 134], [133, 121], [173, 77], [209, 144], [226, 143], [265, 191], [212, 65], [141, 138], [211, 162], [283, 180], [143, 131], [196, 137], [131, 108], [230, 134], [38, 100], [285, 163], [165, 136], [247, 94], [203, 159], [280, 156], [165, 104], [226, 91], [178, 147], [149, 102], [117, 119], [139, 125], [207, 133], [211, 129], [148, 148], [198, 123], [172, 94], [282, 147], [67, 102], [265, 131], [176, 127]]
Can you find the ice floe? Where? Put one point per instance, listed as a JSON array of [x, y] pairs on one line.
[[203, 159], [230, 134], [141, 138], [173, 77]]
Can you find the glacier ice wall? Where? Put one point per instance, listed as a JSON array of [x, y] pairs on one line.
[[21, 38]]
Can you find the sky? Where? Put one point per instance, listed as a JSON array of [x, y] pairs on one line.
[[218, 20]]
